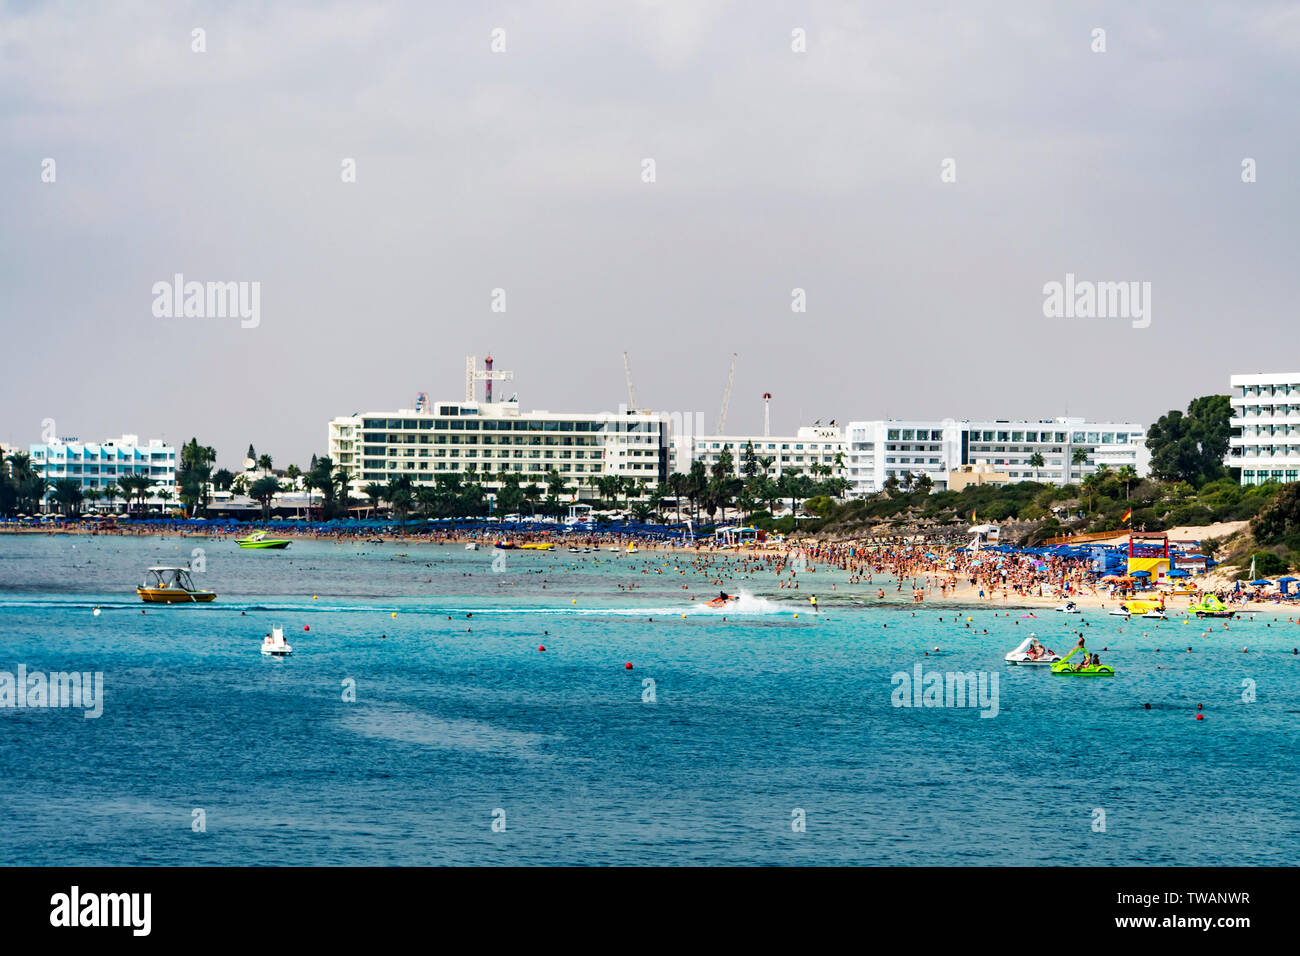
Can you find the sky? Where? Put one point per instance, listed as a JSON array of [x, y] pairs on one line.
[[920, 170]]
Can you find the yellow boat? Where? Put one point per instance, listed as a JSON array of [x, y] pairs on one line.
[[536, 546], [172, 586]]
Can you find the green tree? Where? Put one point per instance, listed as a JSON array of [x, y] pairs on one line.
[[263, 490], [375, 492], [1079, 457], [1191, 447]]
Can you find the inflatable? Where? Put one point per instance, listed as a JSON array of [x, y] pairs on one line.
[[1063, 666], [1210, 606]]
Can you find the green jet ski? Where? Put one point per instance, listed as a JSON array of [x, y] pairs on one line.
[[1063, 666]]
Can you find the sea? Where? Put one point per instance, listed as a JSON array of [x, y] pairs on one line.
[[419, 721]]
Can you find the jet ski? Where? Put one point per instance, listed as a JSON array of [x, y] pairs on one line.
[[722, 600], [1069, 607]]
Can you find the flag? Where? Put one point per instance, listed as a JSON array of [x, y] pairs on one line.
[[1128, 515]]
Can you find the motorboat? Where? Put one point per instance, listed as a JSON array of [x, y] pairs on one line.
[[164, 585], [472, 546], [1064, 668], [275, 645], [1021, 655], [259, 539], [1069, 607]]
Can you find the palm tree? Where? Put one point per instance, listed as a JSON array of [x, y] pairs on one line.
[[1127, 474], [263, 490], [374, 491], [67, 494], [1079, 457], [93, 495], [1036, 462]]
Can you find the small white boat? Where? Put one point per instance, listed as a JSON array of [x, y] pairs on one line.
[[1155, 614], [472, 546], [1042, 656], [1069, 607], [275, 645]]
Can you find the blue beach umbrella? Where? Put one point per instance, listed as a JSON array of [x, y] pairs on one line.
[[1178, 573], [1261, 583], [1140, 574]]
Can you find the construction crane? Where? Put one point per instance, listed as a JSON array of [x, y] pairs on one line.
[[631, 389], [726, 396], [473, 375]]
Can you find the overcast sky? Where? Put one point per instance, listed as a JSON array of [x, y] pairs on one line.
[[522, 170]]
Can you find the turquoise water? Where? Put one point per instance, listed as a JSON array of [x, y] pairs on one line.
[[756, 715]]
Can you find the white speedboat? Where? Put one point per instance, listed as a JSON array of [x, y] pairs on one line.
[[1069, 607], [472, 546], [275, 645], [1042, 656]]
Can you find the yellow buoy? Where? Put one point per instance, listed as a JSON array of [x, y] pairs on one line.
[[394, 614]]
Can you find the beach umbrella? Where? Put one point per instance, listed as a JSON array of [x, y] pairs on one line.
[[1261, 583], [1178, 573], [1141, 574]]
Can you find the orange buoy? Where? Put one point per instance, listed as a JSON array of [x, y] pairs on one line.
[[1200, 716], [306, 627], [541, 647], [627, 666]]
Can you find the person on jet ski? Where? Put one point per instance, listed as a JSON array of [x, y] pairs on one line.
[[723, 596]]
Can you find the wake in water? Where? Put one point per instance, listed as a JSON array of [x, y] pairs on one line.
[[748, 605]]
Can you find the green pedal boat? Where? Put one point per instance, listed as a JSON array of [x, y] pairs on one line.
[[260, 540], [1063, 666]]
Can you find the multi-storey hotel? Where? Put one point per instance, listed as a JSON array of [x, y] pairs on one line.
[[98, 465], [488, 438], [1266, 413], [813, 445], [878, 450]]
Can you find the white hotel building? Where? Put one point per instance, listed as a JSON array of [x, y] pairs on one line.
[[811, 445], [878, 450], [96, 465], [1266, 411], [487, 438]]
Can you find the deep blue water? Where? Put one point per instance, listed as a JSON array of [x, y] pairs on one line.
[[755, 716]]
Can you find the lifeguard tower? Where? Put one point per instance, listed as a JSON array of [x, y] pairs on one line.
[[1149, 553]]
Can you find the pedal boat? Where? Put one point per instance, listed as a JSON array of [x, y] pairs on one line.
[[275, 645], [1092, 670], [1021, 654]]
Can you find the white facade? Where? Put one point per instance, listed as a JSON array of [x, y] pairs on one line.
[[811, 445], [99, 464], [879, 449], [485, 439], [1266, 410]]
